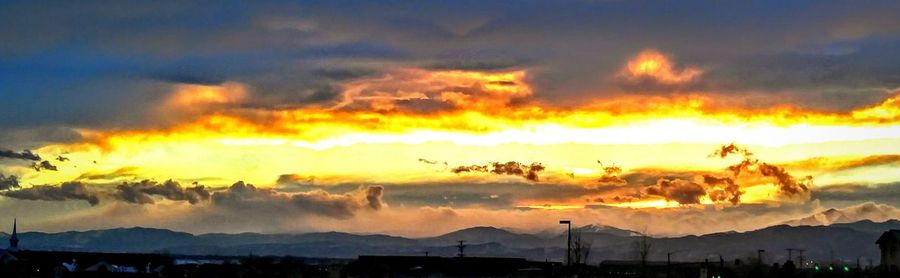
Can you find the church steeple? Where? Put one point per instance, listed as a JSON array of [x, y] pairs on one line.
[[14, 238]]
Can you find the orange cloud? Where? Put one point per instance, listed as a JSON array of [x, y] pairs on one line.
[[887, 111], [457, 109], [831, 164], [654, 65], [787, 183], [497, 118], [610, 174], [423, 90], [192, 96]]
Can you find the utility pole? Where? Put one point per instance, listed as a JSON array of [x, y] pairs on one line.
[[568, 241], [791, 255], [462, 248]]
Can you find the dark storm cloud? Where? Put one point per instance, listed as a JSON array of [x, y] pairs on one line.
[[8, 182], [295, 179], [246, 198], [142, 192], [124, 172], [66, 191], [862, 64], [851, 193], [640, 177], [432, 162], [611, 175], [478, 64], [102, 102], [24, 155], [342, 73], [689, 187], [240, 198], [324, 93], [37, 165], [726, 150], [682, 191], [511, 168], [97, 63], [723, 189], [458, 194], [633, 185], [43, 165], [34, 137], [188, 77], [787, 183], [673, 185], [374, 197]]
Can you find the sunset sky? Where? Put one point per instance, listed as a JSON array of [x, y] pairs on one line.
[[419, 118]]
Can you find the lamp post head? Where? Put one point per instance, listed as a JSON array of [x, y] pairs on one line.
[[565, 221]]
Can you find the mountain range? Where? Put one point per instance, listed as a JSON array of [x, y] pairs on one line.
[[838, 241], [865, 211]]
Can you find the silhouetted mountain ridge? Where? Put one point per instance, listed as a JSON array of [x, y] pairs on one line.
[[866, 211], [846, 240], [482, 234], [604, 229]]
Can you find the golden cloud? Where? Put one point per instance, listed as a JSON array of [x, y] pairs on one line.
[[417, 107], [403, 89], [652, 64], [192, 96]]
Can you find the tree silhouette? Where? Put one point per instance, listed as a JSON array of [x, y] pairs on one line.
[[642, 247], [581, 248]]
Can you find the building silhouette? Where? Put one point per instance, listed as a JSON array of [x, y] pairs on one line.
[[6, 255], [435, 266], [14, 239], [889, 243]]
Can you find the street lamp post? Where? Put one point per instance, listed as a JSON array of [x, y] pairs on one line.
[[568, 241], [669, 262]]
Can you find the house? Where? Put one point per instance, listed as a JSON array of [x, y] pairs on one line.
[[889, 243]]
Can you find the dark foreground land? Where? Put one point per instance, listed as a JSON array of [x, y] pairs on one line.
[[81, 264]]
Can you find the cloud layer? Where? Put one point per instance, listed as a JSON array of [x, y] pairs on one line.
[[241, 196], [431, 107], [63, 192], [140, 192], [510, 168], [314, 53]]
